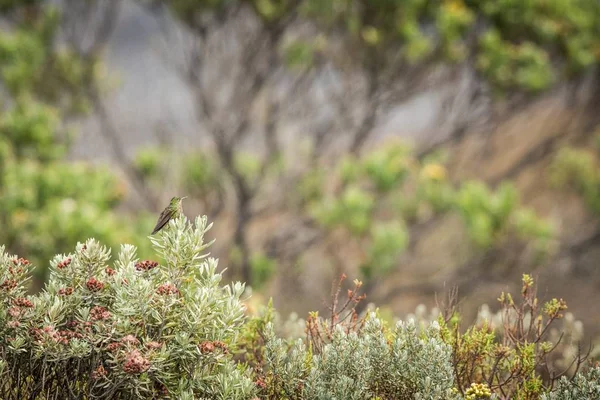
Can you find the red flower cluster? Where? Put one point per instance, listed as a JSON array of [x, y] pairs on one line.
[[146, 265], [130, 340], [167, 288], [221, 345], [99, 313], [109, 271], [208, 347], [48, 332], [135, 363], [112, 347], [14, 312], [260, 383], [15, 271], [22, 302], [21, 261], [65, 291], [94, 285], [72, 324], [99, 373], [66, 335], [59, 336], [8, 284], [13, 324], [64, 263], [154, 345]]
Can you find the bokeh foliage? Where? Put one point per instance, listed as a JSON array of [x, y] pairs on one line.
[[514, 45], [385, 192], [577, 168], [47, 202], [372, 201], [509, 46]]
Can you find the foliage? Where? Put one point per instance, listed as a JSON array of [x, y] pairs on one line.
[[585, 385], [514, 44], [347, 357], [578, 169], [373, 201], [138, 329], [378, 54], [488, 215], [377, 198], [517, 363], [144, 329], [527, 45], [522, 358], [32, 67], [262, 268], [40, 193], [372, 362]]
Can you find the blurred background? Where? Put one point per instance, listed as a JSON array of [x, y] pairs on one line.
[[415, 145]]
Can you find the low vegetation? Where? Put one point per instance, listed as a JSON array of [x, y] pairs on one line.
[[127, 328]]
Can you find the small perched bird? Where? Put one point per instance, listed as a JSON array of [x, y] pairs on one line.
[[173, 210]]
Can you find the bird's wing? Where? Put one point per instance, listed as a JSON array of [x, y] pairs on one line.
[[164, 217]]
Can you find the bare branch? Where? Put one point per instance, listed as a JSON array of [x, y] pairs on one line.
[[111, 134]]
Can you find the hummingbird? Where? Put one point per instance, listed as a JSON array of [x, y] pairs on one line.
[[173, 210]]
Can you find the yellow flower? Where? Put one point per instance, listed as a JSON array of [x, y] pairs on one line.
[[434, 172], [455, 6], [371, 35], [478, 391]]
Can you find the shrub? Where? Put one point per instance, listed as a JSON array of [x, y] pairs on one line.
[[136, 329], [583, 386], [346, 356], [517, 355], [370, 362], [519, 361]]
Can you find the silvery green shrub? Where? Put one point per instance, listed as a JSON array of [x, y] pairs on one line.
[[371, 363], [126, 329], [583, 386]]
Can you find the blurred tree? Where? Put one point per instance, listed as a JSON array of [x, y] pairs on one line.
[[47, 204], [372, 203], [576, 168], [86, 29], [257, 68]]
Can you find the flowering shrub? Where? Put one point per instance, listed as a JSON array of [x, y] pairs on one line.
[[132, 329], [358, 357], [518, 359], [136, 329]]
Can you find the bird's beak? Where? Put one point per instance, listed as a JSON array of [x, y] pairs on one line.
[[184, 197]]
